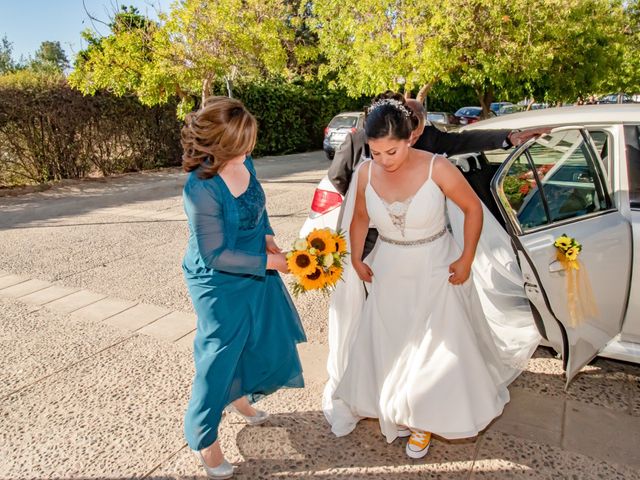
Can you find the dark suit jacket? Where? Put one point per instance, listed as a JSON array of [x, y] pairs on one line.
[[432, 140]]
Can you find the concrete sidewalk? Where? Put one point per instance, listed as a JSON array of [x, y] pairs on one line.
[[95, 387]]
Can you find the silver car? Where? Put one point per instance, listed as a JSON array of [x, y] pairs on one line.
[[582, 180], [338, 129]]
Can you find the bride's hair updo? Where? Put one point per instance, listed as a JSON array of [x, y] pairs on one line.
[[389, 116], [221, 130]]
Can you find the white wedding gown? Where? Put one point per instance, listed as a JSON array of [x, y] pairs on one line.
[[419, 351]]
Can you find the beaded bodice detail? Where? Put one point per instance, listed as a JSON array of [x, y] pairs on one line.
[[398, 212], [251, 205]]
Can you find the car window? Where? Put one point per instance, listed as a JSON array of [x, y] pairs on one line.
[[343, 121], [603, 142], [469, 111], [436, 117], [632, 141], [554, 180]]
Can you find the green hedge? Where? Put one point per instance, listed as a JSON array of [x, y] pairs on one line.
[[292, 116], [49, 131]]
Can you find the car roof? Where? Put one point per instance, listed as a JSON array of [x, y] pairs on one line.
[[349, 114], [579, 115]]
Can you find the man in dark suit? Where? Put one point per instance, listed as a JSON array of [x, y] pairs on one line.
[[424, 137]]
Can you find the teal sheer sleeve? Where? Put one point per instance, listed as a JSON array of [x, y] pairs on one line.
[[206, 219], [265, 218]]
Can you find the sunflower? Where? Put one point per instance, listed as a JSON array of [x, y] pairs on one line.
[[322, 241], [316, 280], [563, 242], [301, 264], [572, 254], [341, 243], [334, 275]]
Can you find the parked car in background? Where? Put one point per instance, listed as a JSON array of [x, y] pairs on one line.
[[496, 106], [468, 115], [582, 180], [615, 98], [445, 120], [338, 129], [511, 108]]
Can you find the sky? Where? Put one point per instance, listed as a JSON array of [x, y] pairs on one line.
[[27, 23]]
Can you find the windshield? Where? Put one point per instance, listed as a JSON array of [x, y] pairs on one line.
[[343, 121], [469, 111]]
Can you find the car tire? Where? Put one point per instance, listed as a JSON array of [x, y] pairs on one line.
[[328, 155]]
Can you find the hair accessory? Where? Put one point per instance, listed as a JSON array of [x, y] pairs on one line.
[[394, 103]]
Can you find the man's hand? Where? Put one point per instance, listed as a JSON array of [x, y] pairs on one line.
[[272, 247], [518, 138]]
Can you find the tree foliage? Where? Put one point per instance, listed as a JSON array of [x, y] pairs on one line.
[[494, 47], [7, 63], [50, 56]]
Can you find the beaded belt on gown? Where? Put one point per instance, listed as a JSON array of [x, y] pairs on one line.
[[420, 241]]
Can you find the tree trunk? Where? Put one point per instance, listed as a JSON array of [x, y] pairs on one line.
[[485, 96], [424, 91], [229, 84], [206, 88]]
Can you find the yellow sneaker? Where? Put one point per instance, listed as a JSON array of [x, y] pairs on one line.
[[418, 444]]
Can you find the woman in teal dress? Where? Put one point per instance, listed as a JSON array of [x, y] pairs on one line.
[[248, 327]]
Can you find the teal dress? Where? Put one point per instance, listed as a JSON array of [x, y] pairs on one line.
[[248, 327]]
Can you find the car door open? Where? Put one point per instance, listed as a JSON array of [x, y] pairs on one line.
[[555, 186]]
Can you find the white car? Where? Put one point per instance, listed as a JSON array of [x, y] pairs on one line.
[[583, 180]]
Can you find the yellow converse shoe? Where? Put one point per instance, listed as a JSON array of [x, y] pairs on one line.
[[418, 444]]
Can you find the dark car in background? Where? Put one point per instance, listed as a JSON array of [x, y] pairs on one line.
[[338, 129], [468, 115]]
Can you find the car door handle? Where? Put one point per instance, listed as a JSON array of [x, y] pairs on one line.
[[556, 267]]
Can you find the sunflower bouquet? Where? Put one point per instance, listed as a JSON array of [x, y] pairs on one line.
[[317, 260], [567, 251]]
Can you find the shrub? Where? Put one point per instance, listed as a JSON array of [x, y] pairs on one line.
[[48, 131]]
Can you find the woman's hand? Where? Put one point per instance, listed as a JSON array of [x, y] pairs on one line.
[[460, 271], [363, 270], [272, 247], [277, 261]]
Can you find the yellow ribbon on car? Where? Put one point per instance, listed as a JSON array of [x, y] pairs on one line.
[[580, 298]]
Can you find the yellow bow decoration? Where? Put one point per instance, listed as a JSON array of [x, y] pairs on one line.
[[579, 293]]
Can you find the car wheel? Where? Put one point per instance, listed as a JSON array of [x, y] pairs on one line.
[[328, 155]]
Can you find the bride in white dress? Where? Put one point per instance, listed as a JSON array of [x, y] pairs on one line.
[[415, 349]]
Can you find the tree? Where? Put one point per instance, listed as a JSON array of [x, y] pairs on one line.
[[50, 55], [198, 43], [119, 62], [6, 59], [205, 41], [495, 47]]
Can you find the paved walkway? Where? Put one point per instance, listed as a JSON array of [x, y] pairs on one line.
[[95, 370], [104, 399]]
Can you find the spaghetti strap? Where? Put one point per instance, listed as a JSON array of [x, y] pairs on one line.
[[433, 157], [369, 174]]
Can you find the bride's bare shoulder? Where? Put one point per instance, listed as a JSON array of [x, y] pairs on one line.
[[363, 176]]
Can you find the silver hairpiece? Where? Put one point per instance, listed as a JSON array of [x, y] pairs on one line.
[[398, 105]]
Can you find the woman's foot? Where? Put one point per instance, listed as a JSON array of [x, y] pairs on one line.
[[214, 463], [418, 444], [251, 415]]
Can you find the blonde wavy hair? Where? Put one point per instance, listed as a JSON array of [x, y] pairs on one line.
[[221, 130]]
